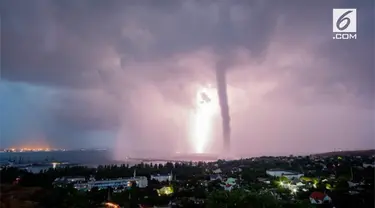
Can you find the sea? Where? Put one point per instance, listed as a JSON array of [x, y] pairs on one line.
[[89, 156], [37, 161], [45, 160]]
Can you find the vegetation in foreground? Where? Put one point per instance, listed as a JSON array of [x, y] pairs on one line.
[[193, 187]]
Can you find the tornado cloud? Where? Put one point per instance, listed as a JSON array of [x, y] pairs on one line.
[[223, 101]]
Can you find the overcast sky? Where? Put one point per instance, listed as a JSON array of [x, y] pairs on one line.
[[122, 74]]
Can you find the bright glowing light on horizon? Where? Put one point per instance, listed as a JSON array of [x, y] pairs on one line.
[[206, 107], [111, 205], [30, 149], [54, 165]]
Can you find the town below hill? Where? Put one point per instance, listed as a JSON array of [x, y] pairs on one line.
[[337, 180]]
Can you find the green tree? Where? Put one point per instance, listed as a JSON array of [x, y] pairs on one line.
[[241, 198]]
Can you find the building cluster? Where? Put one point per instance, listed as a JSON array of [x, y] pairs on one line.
[[316, 175], [116, 184], [316, 178], [119, 184]]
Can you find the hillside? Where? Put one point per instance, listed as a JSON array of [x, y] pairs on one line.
[[15, 196], [348, 153]]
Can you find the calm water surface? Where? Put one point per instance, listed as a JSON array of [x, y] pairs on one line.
[[81, 157]]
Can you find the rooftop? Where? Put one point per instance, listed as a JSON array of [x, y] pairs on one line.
[[287, 172]]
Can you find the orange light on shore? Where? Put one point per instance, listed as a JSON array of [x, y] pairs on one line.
[[111, 205], [30, 149]]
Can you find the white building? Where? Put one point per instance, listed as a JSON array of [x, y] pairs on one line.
[[141, 181], [288, 174], [67, 180], [162, 178], [215, 177], [217, 171], [369, 165]]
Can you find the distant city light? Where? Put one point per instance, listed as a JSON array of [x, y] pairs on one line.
[[31, 149], [112, 205], [54, 165]]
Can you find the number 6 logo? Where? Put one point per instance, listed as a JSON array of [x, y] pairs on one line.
[[343, 18]]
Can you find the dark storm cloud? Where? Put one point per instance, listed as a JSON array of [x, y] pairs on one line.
[[53, 42], [117, 65]]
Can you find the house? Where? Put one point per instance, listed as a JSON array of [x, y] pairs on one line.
[[264, 180], [352, 184], [71, 179], [162, 178], [63, 181], [236, 170], [217, 171], [229, 184], [317, 197], [215, 177], [368, 165], [288, 174]]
